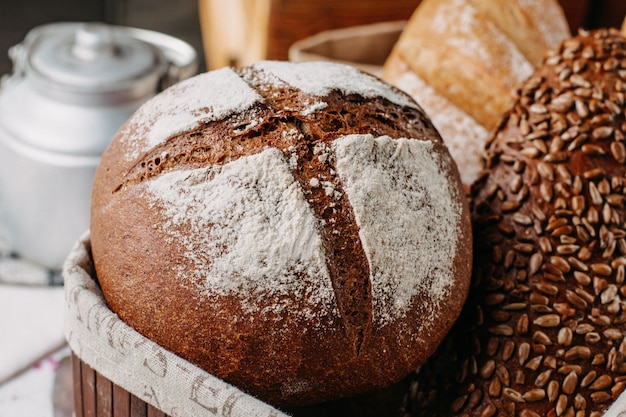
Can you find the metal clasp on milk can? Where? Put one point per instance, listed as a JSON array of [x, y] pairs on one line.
[[73, 85]]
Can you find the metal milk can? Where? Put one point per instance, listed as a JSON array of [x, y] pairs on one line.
[[73, 85]]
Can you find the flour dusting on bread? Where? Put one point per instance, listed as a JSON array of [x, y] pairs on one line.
[[320, 78], [248, 229], [459, 24], [407, 214], [208, 97]]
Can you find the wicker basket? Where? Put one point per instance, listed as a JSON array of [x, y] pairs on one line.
[[365, 47]]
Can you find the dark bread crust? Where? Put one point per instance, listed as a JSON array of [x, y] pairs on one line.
[[543, 330], [344, 355]]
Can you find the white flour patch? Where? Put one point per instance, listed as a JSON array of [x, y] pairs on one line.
[[247, 230], [407, 213], [320, 78], [251, 232], [206, 97], [462, 134]]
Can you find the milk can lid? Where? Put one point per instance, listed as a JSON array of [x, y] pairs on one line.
[[90, 57]]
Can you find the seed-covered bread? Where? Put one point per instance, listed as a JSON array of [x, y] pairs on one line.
[[298, 230], [543, 332]]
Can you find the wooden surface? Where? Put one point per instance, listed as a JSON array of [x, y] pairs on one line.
[[239, 35], [591, 14], [576, 12], [605, 13], [96, 396], [265, 29], [292, 20]]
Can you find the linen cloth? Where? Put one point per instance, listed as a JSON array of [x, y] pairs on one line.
[[138, 365], [147, 370]]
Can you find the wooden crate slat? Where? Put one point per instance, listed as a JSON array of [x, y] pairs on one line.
[[104, 397], [121, 402], [88, 378], [77, 383]]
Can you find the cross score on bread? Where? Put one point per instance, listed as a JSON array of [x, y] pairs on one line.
[[283, 195]]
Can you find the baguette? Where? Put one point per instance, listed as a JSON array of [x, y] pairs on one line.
[[463, 59]]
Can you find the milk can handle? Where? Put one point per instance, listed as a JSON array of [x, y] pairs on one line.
[[181, 57]]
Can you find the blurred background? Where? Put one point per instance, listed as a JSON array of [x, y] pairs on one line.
[[175, 17], [223, 32], [286, 20]]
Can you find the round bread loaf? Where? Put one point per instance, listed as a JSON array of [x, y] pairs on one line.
[[543, 331], [298, 230]]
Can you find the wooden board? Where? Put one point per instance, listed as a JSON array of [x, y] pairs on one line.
[[96, 396]]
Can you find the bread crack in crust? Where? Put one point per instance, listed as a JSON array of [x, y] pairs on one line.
[[307, 218], [282, 126]]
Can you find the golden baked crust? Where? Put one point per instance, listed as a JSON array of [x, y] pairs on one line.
[[298, 230], [464, 136], [462, 59], [543, 332], [534, 26], [475, 52], [459, 51]]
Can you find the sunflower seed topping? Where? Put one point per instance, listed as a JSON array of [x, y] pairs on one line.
[[548, 309]]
